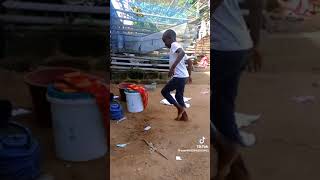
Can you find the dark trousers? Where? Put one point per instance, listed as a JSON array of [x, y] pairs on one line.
[[177, 84], [226, 68]]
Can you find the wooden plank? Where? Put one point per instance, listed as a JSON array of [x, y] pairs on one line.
[[48, 20], [189, 52], [131, 60], [128, 34], [147, 69], [82, 21], [117, 56], [199, 51], [192, 57], [139, 59], [139, 64], [133, 30], [124, 57], [120, 25], [32, 19], [54, 7], [56, 28]]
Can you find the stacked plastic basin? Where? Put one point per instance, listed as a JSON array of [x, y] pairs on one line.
[[78, 126], [38, 82]]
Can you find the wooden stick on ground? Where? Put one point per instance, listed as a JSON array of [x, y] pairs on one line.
[[154, 148]]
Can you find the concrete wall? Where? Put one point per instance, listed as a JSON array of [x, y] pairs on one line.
[[147, 76]]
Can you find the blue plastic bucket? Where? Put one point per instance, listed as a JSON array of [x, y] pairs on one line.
[[19, 154]]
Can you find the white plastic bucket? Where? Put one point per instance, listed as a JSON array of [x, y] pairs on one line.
[[78, 129], [134, 102]]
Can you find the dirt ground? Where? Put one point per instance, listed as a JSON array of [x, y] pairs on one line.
[[135, 162], [14, 89], [288, 132]]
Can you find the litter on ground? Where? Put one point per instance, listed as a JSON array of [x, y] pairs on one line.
[[122, 145], [244, 120], [304, 99], [204, 91], [45, 177], [178, 158], [147, 128], [186, 99], [248, 139], [20, 111], [122, 119]]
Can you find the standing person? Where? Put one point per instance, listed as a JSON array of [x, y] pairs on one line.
[[297, 7], [2, 31], [178, 73], [231, 45]]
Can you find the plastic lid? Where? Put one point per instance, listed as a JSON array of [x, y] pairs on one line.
[[53, 92], [130, 91]]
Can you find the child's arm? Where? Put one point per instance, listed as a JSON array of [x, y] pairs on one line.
[[190, 68], [255, 24], [180, 56], [255, 20]]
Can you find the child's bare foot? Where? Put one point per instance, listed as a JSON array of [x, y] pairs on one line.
[[181, 111], [184, 117], [227, 153], [238, 170]]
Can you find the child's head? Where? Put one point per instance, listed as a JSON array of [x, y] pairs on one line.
[[168, 37]]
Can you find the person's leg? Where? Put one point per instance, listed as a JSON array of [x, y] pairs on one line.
[[171, 86], [181, 83], [224, 84], [166, 90], [213, 152], [184, 116], [238, 170], [226, 153]]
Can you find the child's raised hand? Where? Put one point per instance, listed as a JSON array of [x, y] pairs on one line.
[[255, 61]]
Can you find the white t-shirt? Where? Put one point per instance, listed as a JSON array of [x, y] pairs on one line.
[[229, 32], [181, 70]]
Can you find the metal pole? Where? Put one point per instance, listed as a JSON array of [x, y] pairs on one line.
[[170, 5]]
